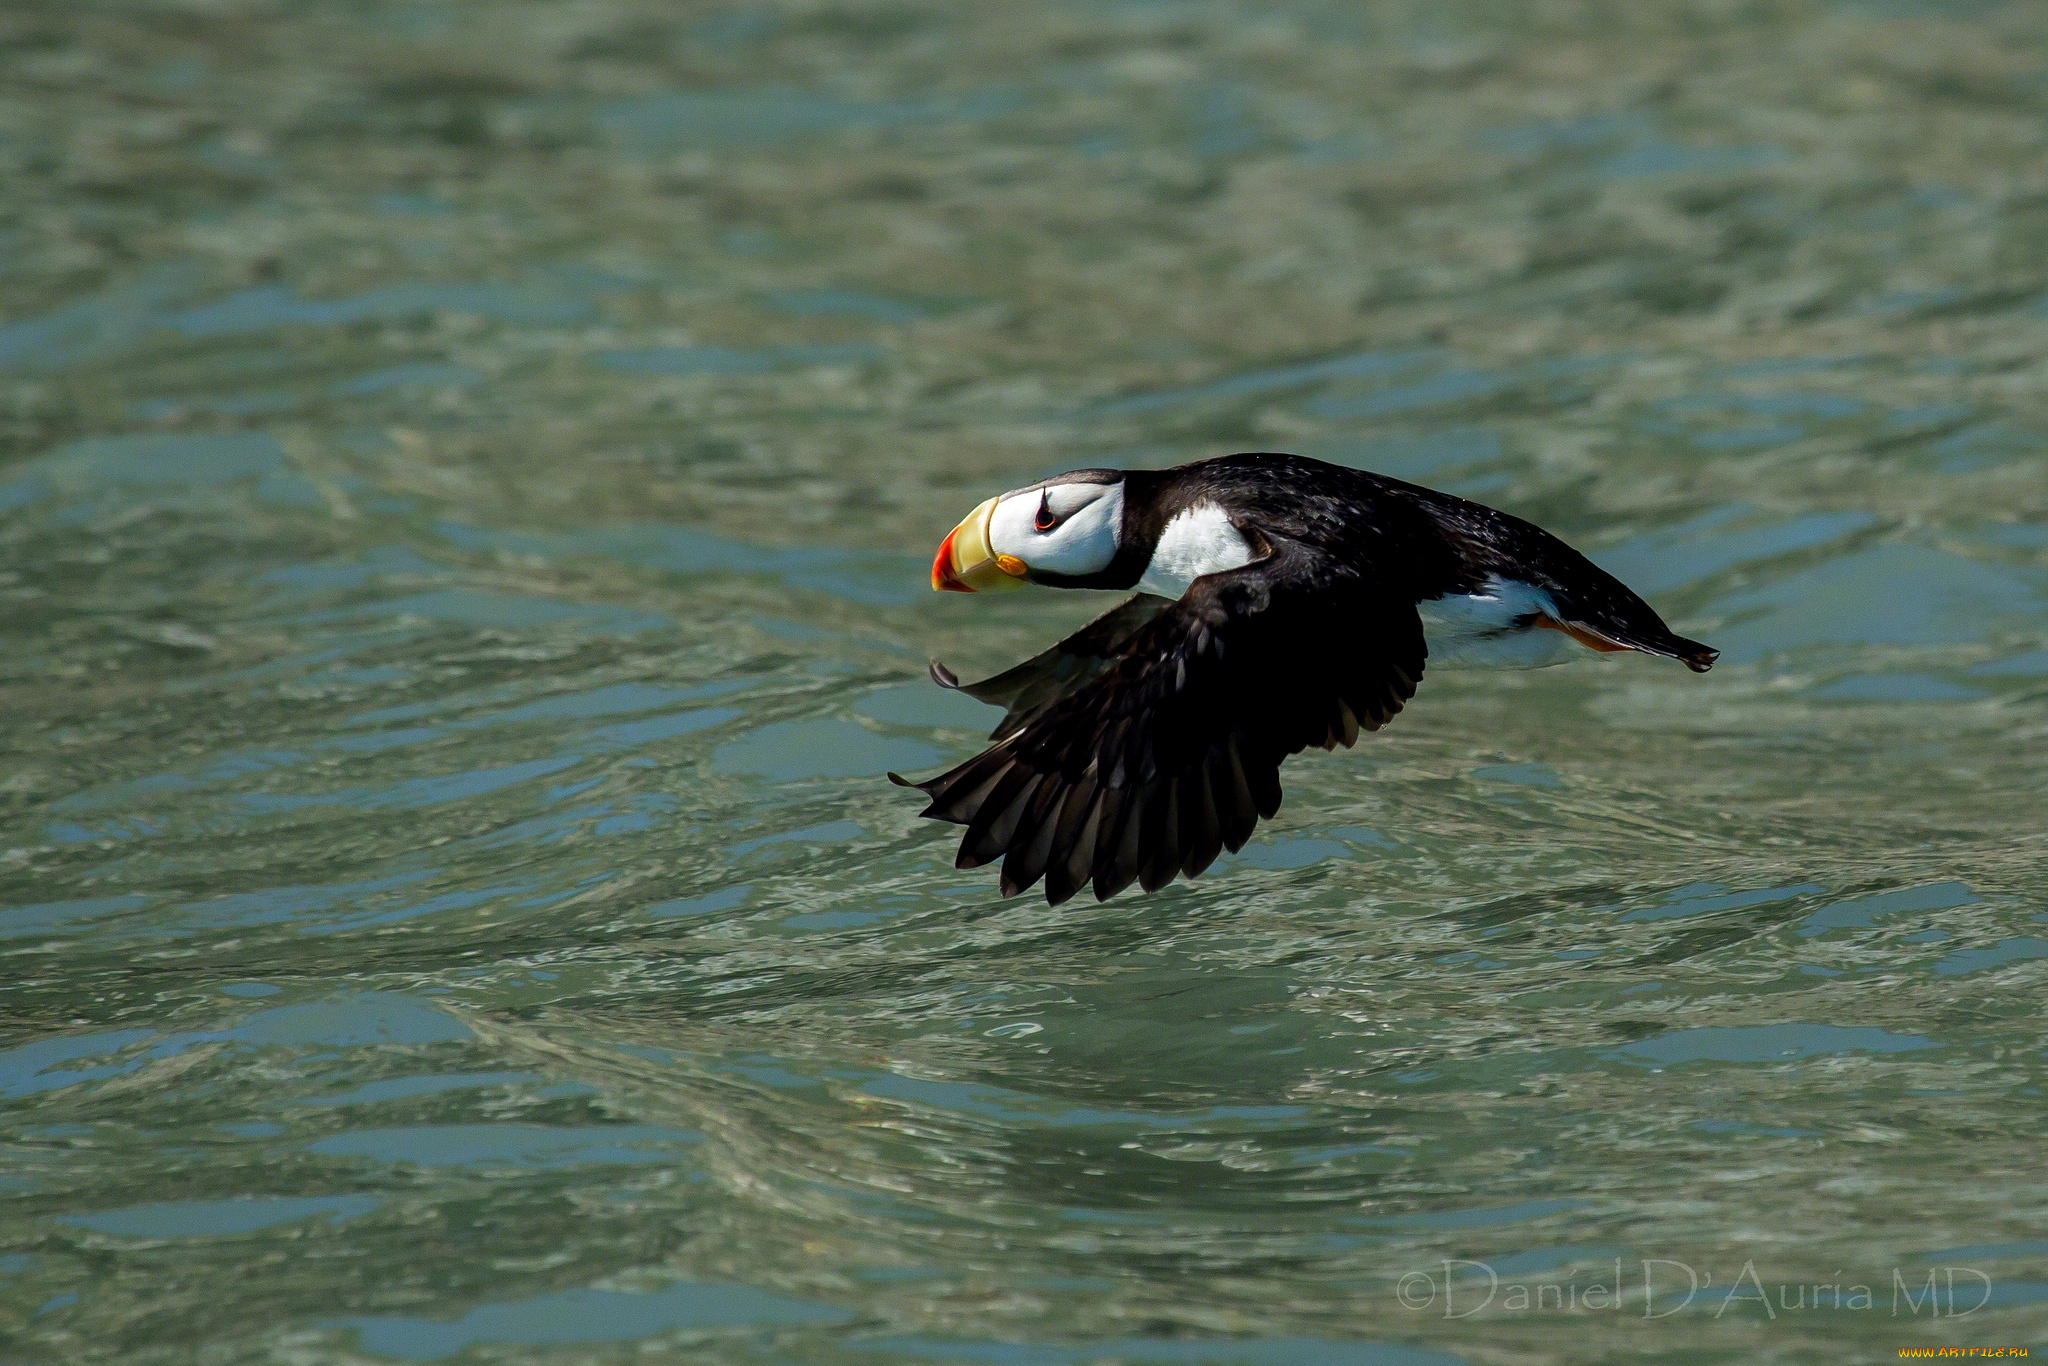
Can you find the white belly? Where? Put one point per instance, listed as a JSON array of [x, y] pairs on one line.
[[1489, 629], [1200, 540]]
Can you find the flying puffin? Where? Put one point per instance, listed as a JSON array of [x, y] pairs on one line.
[[1281, 602]]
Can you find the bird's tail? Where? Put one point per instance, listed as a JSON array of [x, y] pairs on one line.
[[1662, 643]]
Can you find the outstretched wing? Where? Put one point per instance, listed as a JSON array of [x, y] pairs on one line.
[[1171, 751], [1030, 687]]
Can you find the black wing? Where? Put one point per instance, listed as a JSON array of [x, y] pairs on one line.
[[1030, 687], [1171, 752]]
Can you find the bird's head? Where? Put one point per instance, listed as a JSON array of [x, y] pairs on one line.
[[1063, 532]]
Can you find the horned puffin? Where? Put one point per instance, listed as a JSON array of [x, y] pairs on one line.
[[1281, 602]]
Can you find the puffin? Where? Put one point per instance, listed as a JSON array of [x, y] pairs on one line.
[[1281, 602]]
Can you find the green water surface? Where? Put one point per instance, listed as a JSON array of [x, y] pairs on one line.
[[467, 476]]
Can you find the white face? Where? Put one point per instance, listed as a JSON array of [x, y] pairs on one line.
[[1061, 528]]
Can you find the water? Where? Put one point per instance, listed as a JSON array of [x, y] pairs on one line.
[[469, 472]]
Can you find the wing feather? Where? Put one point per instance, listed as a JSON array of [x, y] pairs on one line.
[[1070, 872], [1116, 866], [1202, 831], [993, 826], [1240, 812], [1162, 835], [1031, 846], [1066, 836]]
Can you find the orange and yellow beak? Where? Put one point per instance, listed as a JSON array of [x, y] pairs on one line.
[[965, 564]]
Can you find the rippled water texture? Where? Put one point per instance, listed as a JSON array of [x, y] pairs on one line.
[[467, 473]]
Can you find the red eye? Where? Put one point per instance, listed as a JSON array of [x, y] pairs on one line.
[[1044, 521]]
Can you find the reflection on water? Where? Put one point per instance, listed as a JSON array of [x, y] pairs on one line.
[[466, 482]]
